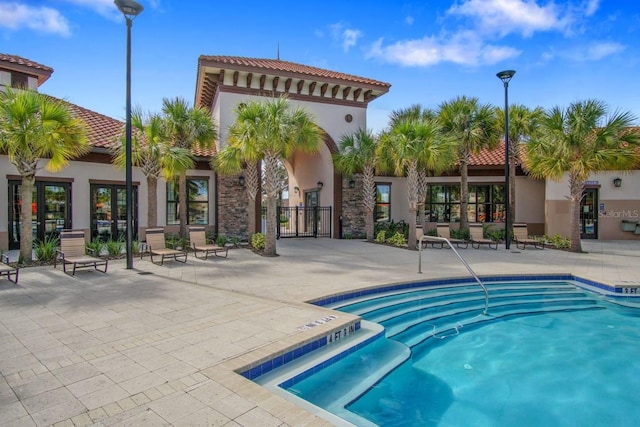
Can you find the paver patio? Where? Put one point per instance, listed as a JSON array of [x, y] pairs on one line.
[[158, 345]]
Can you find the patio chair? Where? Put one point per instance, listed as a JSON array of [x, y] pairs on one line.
[[157, 246], [477, 237], [200, 243], [521, 237], [445, 231], [427, 241], [8, 270], [73, 250]]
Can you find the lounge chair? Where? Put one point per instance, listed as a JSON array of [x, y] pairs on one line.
[[8, 270], [200, 243], [427, 239], [444, 231], [157, 246], [521, 237], [73, 250], [477, 237]]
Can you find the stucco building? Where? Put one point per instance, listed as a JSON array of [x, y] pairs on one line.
[[89, 194]]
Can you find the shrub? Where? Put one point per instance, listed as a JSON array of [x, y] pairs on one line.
[[381, 236], [392, 227], [258, 241], [398, 239], [115, 247], [135, 246], [221, 240], [462, 233], [559, 241], [236, 241], [96, 246], [174, 241], [431, 232], [495, 235], [45, 250]]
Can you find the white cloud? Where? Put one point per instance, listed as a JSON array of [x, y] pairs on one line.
[[598, 51], [105, 8], [464, 48], [16, 16], [512, 16], [409, 20], [592, 7], [348, 37]]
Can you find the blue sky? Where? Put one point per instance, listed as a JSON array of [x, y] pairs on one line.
[[430, 51]]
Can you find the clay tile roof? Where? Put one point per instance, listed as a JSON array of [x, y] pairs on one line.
[[286, 66], [486, 157], [42, 71], [23, 61], [102, 130]]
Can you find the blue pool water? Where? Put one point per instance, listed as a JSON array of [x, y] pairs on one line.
[[548, 356]]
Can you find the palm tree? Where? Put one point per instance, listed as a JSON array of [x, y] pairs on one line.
[[357, 154], [406, 148], [188, 128], [523, 124], [34, 127], [152, 152], [414, 112], [473, 127], [578, 141], [272, 130]]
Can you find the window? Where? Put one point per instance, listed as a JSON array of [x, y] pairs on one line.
[[197, 202], [485, 203], [383, 203], [19, 81]]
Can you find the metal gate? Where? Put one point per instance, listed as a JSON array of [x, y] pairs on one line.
[[303, 222]]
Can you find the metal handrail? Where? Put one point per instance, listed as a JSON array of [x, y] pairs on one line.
[[443, 239]]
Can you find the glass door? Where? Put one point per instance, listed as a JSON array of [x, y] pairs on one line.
[[589, 214], [109, 212], [50, 210]]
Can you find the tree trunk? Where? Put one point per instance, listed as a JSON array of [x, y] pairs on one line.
[[152, 201], [252, 181], [577, 191], [369, 201], [271, 188], [182, 204], [26, 232], [464, 193]]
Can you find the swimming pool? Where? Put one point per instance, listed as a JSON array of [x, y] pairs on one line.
[[549, 353]]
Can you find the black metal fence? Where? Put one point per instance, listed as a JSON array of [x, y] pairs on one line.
[[302, 222]]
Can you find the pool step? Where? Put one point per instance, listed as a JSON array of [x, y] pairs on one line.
[[445, 330], [405, 331], [395, 314], [370, 303]]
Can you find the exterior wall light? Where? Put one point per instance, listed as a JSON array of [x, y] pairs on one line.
[[617, 182], [241, 181], [352, 183], [320, 185], [296, 190]]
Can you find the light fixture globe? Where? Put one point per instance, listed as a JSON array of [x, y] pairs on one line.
[[506, 75], [129, 8]]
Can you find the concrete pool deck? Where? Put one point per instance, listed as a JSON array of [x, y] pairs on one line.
[[158, 345]]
